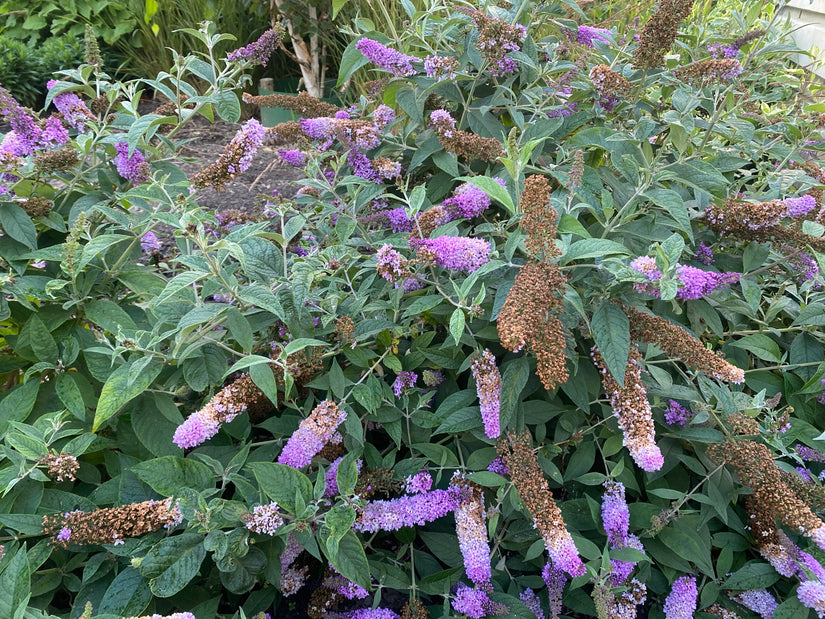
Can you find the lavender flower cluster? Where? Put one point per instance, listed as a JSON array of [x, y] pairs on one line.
[[676, 414], [681, 601], [457, 253], [694, 282], [258, 52], [386, 58], [312, 434], [408, 510]]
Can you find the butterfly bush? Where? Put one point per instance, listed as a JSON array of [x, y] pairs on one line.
[[538, 330]]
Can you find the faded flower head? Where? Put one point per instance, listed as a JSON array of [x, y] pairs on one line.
[[441, 68], [632, 409], [60, 466], [517, 452], [239, 396], [677, 342], [235, 159], [112, 524], [264, 519], [312, 434], [488, 386]]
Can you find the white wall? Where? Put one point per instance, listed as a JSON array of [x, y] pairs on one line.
[[810, 15]]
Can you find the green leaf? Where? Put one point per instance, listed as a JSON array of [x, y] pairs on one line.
[[261, 374], [299, 344], [690, 544], [169, 474], [813, 314], [753, 575], [761, 346], [457, 322], [337, 5], [128, 595], [172, 563], [66, 389], [18, 225], [592, 248], [42, 342], [514, 376], [282, 483], [351, 60], [347, 474], [15, 583], [611, 332], [492, 189], [109, 316], [227, 106], [122, 386], [791, 608], [350, 560], [672, 202], [18, 403], [263, 298]]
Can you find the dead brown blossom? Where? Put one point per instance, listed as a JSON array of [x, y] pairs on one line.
[[677, 342], [755, 467], [37, 206], [607, 82], [110, 525], [377, 481], [344, 329], [758, 222], [60, 466], [812, 494], [743, 425], [303, 103], [241, 395], [574, 177], [56, 160], [374, 88], [632, 409], [659, 33], [610, 605], [525, 321], [539, 222], [719, 611], [414, 609], [516, 449], [289, 132], [427, 222], [464, 144], [710, 70]]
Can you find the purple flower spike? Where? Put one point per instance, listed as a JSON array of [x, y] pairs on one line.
[[457, 253], [131, 167], [812, 594], [615, 513], [388, 59], [195, 430], [759, 601], [681, 602], [409, 510], [312, 434], [258, 52], [676, 414], [404, 381]]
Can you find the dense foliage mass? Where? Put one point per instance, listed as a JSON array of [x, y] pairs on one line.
[[538, 336]]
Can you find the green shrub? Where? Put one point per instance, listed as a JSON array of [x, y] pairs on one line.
[[20, 71], [532, 254]]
